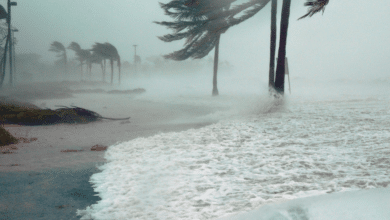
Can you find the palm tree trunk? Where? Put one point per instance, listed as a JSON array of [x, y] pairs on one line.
[[89, 69], [81, 73], [279, 81], [101, 65], [66, 61], [216, 54], [4, 61], [119, 68], [112, 70], [104, 70], [271, 82]]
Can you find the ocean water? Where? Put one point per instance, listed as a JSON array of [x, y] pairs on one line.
[[261, 152]]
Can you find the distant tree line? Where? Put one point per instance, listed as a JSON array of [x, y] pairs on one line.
[[98, 54]]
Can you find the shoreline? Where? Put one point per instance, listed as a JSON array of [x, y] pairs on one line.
[[41, 181]]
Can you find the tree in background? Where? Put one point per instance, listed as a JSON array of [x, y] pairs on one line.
[[98, 50], [81, 54], [59, 48], [108, 51], [94, 58]]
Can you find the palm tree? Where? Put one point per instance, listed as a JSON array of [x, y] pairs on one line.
[[279, 76], [59, 48], [98, 50], [190, 17], [108, 51], [271, 82], [203, 31], [94, 58], [315, 6], [81, 54]]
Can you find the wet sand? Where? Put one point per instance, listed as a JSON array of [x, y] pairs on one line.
[[41, 181]]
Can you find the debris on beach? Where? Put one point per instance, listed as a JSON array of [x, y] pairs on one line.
[[63, 206], [131, 91], [6, 138], [33, 116], [67, 151], [9, 149], [98, 147], [26, 140]]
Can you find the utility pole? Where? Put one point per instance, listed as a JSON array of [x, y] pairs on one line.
[[11, 76], [135, 57]]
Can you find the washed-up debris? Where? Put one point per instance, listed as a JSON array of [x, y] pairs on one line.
[[63, 206], [88, 91], [131, 91], [6, 138], [98, 147], [67, 151], [10, 149], [33, 117], [26, 140]]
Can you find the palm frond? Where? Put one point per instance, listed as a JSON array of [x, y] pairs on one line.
[[315, 6], [74, 46], [57, 47], [105, 51]]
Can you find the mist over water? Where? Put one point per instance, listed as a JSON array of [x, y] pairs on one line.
[[326, 138], [330, 135]]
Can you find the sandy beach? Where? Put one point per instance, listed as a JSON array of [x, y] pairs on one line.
[[46, 175]]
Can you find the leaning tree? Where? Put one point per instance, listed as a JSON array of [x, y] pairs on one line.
[[185, 19], [59, 48], [81, 54], [199, 22], [108, 51], [315, 6], [94, 58]]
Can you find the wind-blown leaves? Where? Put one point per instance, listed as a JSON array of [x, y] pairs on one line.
[[199, 22], [107, 51], [82, 55], [57, 47], [315, 6], [74, 46]]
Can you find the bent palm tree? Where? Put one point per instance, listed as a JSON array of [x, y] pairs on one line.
[[59, 48], [94, 58], [202, 32], [187, 25], [108, 51], [82, 55]]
